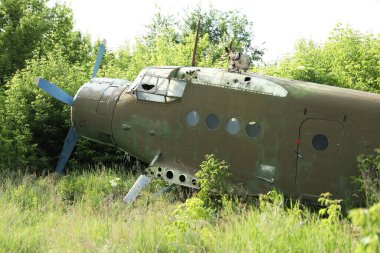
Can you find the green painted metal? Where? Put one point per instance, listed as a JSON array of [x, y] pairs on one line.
[[289, 114]]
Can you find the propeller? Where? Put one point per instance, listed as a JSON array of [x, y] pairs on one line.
[[54, 91], [57, 93], [137, 188], [102, 48]]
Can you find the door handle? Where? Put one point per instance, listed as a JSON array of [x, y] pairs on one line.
[[298, 153]]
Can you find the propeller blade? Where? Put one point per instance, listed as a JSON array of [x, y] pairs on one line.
[[164, 190], [137, 188], [68, 147], [102, 48], [54, 91]]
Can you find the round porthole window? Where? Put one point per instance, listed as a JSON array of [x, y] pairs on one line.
[[320, 142], [212, 121], [233, 126], [192, 118], [252, 129]]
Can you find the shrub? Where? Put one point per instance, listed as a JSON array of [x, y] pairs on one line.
[[37, 124], [191, 219], [331, 211], [212, 180]]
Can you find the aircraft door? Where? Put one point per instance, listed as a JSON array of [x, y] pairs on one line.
[[318, 157]]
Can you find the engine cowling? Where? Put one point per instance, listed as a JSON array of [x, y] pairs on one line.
[[93, 108]]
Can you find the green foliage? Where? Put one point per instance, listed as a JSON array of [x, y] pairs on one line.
[[272, 200], [220, 27], [199, 211], [189, 217], [37, 124], [91, 190], [160, 25], [34, 119], [30, 192], [170, 41], [37, 40], [118, 64], [369, 222], [348, 58], [193, 209], [369, 178], [212, 179], [223, 28], [30, 27], [2, 124], [330, 208]]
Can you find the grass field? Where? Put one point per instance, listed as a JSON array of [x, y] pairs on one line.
[[83, 212]]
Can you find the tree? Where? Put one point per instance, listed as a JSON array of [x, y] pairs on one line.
[[223, 28], [29, 27], [160, 25], [349, 59], [170, 41]]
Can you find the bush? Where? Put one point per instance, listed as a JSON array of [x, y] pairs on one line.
[[37, 124], [331, 211], [212, 180], [191, 219]]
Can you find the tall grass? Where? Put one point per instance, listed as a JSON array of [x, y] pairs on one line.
[[83, 212]]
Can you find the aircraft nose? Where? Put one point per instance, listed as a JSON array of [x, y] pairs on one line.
[[93, 109]]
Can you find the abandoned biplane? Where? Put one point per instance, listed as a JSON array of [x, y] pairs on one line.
[[298, 137]]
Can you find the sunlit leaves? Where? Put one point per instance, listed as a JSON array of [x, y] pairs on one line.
[[349, 58]]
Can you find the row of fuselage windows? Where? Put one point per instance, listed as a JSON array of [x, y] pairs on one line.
[[233, 125], [320, 142], [252, 129]]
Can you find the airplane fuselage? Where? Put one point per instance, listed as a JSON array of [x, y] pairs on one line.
[[301, 138]]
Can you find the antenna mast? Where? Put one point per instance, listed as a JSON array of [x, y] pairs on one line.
[[193, 63]]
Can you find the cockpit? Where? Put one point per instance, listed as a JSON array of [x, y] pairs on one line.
[[167, 84], [159, 85]]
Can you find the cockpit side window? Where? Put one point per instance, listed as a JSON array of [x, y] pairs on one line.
[[162, 86], [160, 89], [150, 97], [148, 84], [176, 88]]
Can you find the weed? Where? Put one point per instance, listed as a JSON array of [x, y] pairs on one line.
[[331, 211], [369, 222], [369, 178]]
